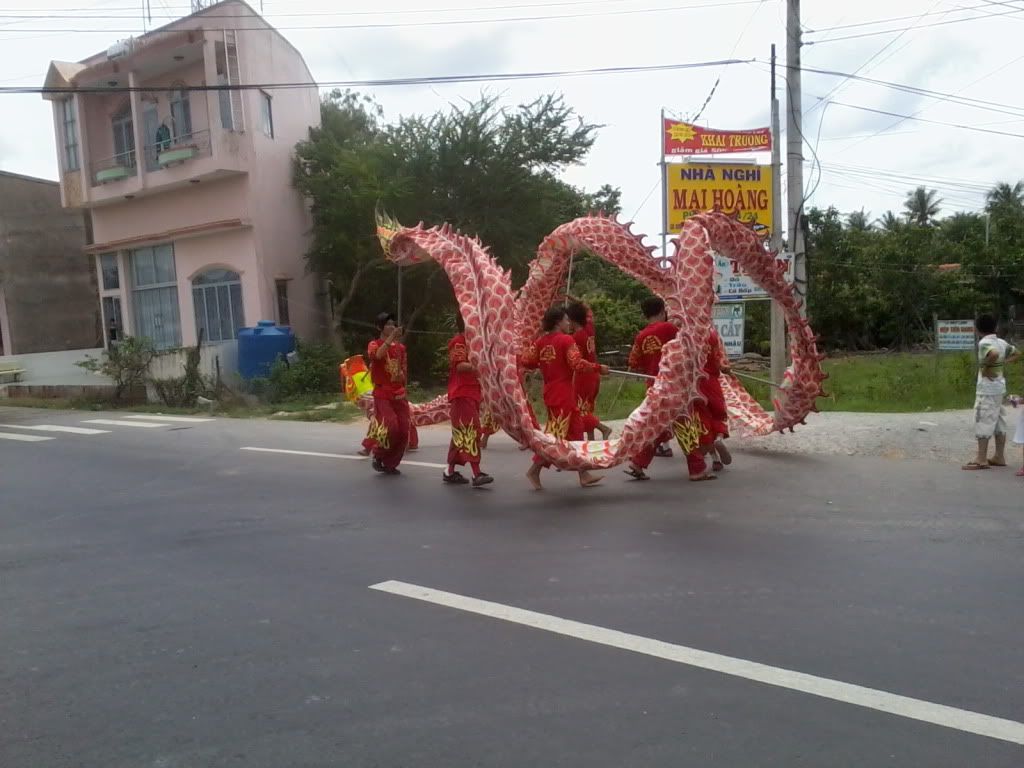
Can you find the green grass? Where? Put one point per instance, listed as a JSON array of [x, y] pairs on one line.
[[892, 383]]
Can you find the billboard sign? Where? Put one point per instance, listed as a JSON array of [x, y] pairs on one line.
[[729, 322], [954, 335], [688, 139]]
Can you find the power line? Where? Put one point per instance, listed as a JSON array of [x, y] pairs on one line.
[[837, 27], [931, 122], [902, 30], [406, 24], [55, 12], [901, 120], [383, 82], [874, 56], [132, 13], [736, 45]]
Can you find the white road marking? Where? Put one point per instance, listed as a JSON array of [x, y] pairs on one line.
[[119, 423], [23, 438], [57, 428], [870, 698], [349, 456], [182, 419]]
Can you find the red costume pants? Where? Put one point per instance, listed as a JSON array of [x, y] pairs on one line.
[[392, 431], [466, 431], [563, 423]]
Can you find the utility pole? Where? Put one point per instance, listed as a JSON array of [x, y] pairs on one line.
[[778, 327], [794, 153]]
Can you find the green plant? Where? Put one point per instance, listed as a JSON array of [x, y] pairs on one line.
[[126, 363], [314, 372]]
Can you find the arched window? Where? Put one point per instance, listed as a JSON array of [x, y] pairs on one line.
[[181, 115], [217, 298]]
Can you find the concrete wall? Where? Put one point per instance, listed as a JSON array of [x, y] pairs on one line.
[[170, 365], [49, 285]]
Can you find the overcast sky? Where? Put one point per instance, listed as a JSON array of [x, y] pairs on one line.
[[868, 160]]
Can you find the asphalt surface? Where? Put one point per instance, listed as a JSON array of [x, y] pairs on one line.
[[170, 600]]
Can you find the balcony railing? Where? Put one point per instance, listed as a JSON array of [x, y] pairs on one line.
[[178, 150], [116, 168]]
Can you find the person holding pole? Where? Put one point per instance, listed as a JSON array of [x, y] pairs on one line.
[[464, 397], [556, 355], [389, 372], [587, 385]]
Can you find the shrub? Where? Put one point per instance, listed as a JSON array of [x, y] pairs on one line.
[[126, 363]]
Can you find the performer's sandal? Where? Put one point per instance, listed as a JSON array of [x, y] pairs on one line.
[[663, 452], [973, 465], [637, 474]]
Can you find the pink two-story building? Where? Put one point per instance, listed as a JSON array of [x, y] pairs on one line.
[[196, 224]]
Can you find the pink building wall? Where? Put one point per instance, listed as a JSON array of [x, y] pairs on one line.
[[247, 181]]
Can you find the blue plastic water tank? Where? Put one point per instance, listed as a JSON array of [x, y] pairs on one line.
[[259, 347]]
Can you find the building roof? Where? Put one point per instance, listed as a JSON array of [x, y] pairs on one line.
[[22, 177], [63, 74]]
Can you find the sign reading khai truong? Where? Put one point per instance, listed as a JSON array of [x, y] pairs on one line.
[[687, 139]]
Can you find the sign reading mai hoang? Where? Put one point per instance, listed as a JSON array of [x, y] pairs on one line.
[[737, 189]]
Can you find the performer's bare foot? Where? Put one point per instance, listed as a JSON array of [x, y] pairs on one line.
[[533, 475], [363, 452], [587, 479], [701, 478]]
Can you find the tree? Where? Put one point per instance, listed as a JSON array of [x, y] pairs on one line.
[[890, 222], [1005, 197], [489, 171], [859, 221], [344, 169], [922, 206]]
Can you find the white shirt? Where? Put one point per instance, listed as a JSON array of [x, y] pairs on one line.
[[987, 344]]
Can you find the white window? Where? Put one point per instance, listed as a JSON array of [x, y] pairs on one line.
[[71, 162], [217, 299], [155, 295], [267, 114], [181, 116]]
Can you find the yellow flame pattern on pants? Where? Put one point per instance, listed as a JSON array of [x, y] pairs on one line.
[[688, 432]]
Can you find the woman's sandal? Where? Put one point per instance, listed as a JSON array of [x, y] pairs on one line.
[[970, 466]]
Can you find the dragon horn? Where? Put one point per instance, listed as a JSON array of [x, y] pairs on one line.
[[387, 228]]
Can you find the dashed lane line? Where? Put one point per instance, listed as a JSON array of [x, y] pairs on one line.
[[175, 419], [349, 457], [120, 423], [23, 438], [847, 693], [57, 428]]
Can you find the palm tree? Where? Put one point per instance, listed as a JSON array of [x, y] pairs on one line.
[[859, 221], [923, 205], [1002, 195], [890, 222]]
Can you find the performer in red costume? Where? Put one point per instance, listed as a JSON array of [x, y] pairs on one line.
[[389, 372], [717, 364], [374, 430], [464, 408], [587, 385], [696, 432], [556, 355]]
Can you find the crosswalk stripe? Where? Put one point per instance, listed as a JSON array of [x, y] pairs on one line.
[[182, 419], [350, 457], [57, 428], [23, 438], [118, 423]]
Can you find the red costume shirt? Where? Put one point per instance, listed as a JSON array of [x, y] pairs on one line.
[[461, 383], [645, 356], [558, 357], [388, 374]]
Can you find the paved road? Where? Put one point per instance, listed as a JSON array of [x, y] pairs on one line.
[[170, 600]]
